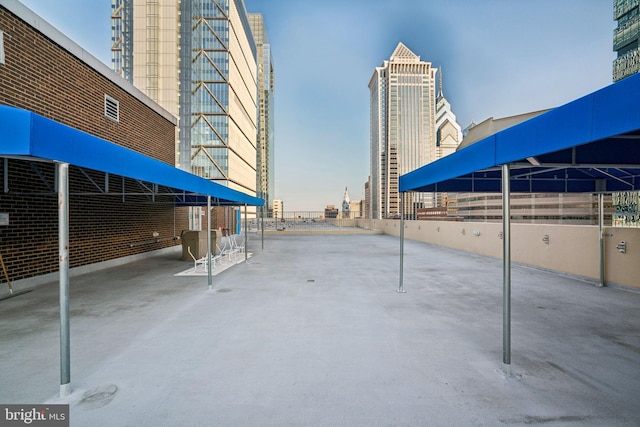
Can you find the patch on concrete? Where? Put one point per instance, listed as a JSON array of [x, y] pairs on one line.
[[533, 419], [224, 290], [99, 396], [311, 280], [15, 294]]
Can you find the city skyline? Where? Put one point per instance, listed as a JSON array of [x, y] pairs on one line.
[[497, 58]]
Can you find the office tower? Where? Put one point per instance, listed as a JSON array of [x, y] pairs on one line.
[[448, 131], [265, 148], [403, 130], [198, 60], [625, 38]]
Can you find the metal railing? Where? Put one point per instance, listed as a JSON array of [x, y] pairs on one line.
[[306, 221]]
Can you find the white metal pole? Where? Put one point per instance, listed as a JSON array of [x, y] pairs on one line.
[[246, 234], [506, 266], [401, 284], [601, 227], [209, 277], [63, 256]]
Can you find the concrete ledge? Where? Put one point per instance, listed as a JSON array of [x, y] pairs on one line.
[[334, 232]]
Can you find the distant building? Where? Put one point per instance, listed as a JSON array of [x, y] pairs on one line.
[[331, 212], [278, 208], [366, 208], [626, 38], [356, 209], [265, 163], [346, 205], [449, 132], [409, 128], [436, 214]]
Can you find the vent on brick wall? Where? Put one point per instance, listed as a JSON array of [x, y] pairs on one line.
[[111, 108]]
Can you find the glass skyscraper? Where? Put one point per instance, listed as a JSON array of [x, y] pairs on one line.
[[265, 159], [198, 59], [403, 130], [626, 38]]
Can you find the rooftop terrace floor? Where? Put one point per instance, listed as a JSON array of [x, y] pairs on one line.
[[311, 332]]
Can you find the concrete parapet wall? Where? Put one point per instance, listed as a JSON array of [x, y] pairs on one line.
[[570, 249], [622, 268]]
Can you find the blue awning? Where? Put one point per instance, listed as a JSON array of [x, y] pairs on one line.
[[590, 145], [30, 136]]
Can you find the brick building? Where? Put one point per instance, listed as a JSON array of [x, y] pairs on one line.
[[110, 216]]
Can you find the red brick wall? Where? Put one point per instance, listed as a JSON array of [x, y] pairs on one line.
[[40, 76]]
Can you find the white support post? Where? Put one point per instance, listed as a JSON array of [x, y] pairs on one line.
[[401, 284], [246, 235], [209, 277], [262, 225], [601, 227], [506, 268], [62, 170]]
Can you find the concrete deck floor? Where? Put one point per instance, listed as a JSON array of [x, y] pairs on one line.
[[311, 332]]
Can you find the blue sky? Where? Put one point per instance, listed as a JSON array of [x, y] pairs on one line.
[[498, 57]]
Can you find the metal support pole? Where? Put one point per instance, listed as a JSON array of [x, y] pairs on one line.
[[506, 266], [262, 226], [209, 277], [400, 284], [63, 257], [601, 224], [246, 234]]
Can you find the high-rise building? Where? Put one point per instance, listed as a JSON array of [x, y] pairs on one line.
[[626, 38], [448, 130], [626, 44], [278, 208], [198, 60], [265, 148], [403, 130]]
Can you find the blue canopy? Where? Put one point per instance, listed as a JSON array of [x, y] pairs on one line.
[[590, 145], [30, 136]]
